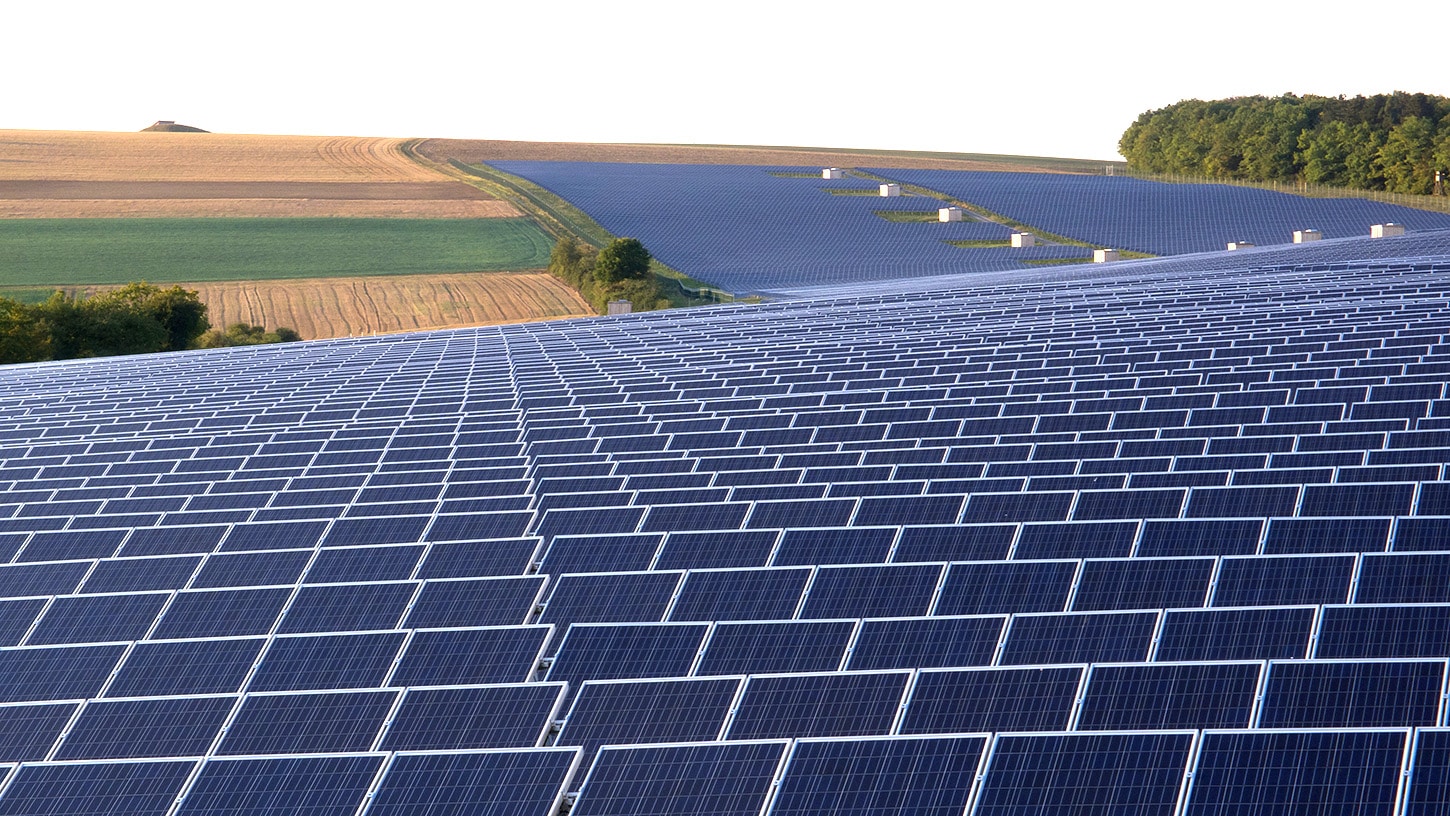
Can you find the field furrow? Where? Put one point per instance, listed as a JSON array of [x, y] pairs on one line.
[[339, 307]]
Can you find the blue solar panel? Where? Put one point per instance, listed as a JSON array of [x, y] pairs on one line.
[[253, 787], [861, 592], [925, 642], [95, 789], [27, 732], [746, 594], [221, 613], [648, 711], [818, 705], [185, 667], [515, 716], [307, 723], [1283, 581], [1298, 773], [980, 700], [1078, 638], [729, 779], [994, 588], [797, 646], [119, 729], [326, 661], [1084, 773], [475, 602], [97, 618], [930, 775], [494, 783], [1236, 634], [1169, 696], [606, 652]]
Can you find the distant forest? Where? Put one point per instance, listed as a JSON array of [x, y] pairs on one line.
[[1393, 142]]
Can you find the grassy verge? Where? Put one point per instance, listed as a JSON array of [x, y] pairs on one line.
[[1061, 165], [854, 191], [1057, 261], [908, 216], [796, 175], [60, 252], [996, 218], [983, 243]]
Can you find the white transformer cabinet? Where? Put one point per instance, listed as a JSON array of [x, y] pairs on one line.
[[1306, 236], [1104, 255], [890, 190], [1386, 230], [1022, 240], [946, 214], [832, 173]]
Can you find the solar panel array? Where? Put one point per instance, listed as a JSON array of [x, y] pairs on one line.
[[799, 233], [1172, 540], [1160, 218]]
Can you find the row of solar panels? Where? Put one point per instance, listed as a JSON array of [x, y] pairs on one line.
[[228, 656], [1364, 771], [38, 596], [1163, 696]]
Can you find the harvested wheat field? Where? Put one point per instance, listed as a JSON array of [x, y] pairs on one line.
[[63, 174], [346, 307]]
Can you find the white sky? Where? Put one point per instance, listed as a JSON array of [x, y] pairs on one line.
[[1049, 78]]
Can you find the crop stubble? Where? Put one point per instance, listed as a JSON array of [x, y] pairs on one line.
[[62, 174], [320, 308]]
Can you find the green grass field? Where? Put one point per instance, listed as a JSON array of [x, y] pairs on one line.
[[65, 252]]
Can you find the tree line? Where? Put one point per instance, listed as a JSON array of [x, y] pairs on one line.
[[618, 271], [138, 318], [1392, 142]]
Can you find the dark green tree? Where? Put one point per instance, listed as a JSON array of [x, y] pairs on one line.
[[620, 260], [24, 337]]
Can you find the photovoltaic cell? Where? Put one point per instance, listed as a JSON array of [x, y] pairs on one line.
[[343, 607], [989, 542], [607, 652], [221, 613], [478, 602], [185, 667], [97, 618], [746, 594], [1283, 581], [872, 592], [1384, 631], [622, 597], [27, 732], [859, 545]]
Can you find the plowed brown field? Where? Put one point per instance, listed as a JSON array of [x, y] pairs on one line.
[[64, 174], [341, 307]]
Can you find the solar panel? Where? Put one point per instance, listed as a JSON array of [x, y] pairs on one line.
[[490, 783], [925, 642], [1236, 634], [985, 700], [925, 775], [514, 716], [724, 779], [648, 711], [744, 594], [307, 723], [1168, 696], [818, 705], [1297, 772], [185, 667], [95, 789], [251, 787], [1084, 773]]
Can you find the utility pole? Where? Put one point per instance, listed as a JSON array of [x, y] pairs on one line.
[[1439, 183]]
